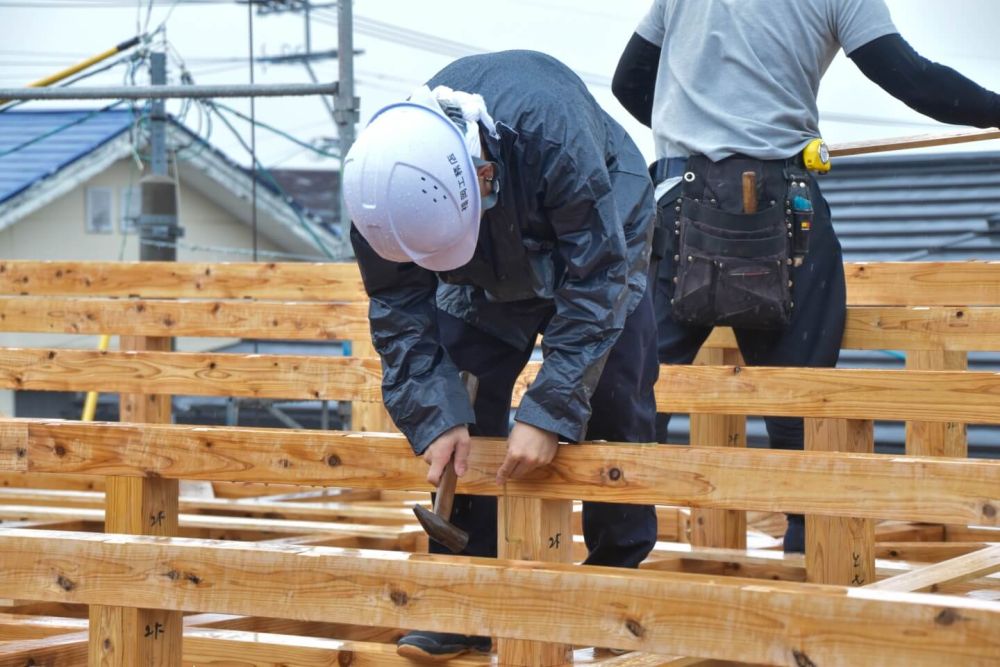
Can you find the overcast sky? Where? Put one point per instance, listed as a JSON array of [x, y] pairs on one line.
[[211, 36]]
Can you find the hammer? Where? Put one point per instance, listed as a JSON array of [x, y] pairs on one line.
[[437, 524]]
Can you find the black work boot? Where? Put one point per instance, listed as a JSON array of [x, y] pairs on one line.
[[439, 646]]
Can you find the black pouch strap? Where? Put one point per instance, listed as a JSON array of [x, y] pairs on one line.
[[769, 218], [744, 248]]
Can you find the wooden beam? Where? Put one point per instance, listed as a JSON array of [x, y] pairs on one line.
[[868, 283], [148, 317], [711, 527], [904, 488], [14, 627], [926, 552], [656, 612], [936, 438], [840, 550], [124, 636], [299, 281], [198, 374], [836, 393], [538, 530], [930, 578], [963, 328], [917, 141]]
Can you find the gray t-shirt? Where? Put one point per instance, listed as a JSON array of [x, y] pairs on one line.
[[741, 76]]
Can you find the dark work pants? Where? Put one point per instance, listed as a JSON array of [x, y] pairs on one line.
[[812, 338], [623, 410]]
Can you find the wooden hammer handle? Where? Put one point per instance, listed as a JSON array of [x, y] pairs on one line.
[[445, 498], [749, 192]]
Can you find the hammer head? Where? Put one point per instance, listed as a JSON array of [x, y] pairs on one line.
[[440, 530]]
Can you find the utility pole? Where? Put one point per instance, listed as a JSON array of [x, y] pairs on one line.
[[345, 103], [158, 225]]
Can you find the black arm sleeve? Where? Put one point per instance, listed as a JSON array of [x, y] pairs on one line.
[[932, 89], [635, 78]]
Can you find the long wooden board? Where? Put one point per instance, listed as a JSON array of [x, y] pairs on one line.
[[237, 280], [147, 317], [868, 283], [657, 612], [949, 396], [863, 485]]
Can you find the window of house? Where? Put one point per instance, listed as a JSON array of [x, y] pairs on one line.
[[99, 218], [131, 206]]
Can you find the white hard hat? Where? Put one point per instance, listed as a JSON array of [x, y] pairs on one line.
[[411, 189]]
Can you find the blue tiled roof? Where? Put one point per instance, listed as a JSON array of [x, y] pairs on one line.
[[83, 132]]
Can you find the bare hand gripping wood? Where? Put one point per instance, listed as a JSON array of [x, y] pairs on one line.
[[437, 524]]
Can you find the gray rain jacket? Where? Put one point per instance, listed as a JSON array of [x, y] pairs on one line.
[[564, 252]]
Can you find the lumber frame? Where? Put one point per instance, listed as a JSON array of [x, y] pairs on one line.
[[883, 487], [656, 612]]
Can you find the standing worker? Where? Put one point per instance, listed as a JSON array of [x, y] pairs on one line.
[[729, 89], [499, 203]]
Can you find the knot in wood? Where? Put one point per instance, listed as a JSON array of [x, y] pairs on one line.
[[59, 450], [172, 575], [333, 460], [989, 511], [21, 452], [65, 583], [615, 474], [635, 627], [947, 617], [399, 598], [345, 658]]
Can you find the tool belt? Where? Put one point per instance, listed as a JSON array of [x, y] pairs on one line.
[[731, 267]]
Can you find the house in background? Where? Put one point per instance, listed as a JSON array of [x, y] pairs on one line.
[[69, 190]]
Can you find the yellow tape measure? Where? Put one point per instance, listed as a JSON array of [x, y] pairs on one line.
[[816, 156]]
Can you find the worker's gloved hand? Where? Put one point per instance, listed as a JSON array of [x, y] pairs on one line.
[[455, 441], [528, 447]]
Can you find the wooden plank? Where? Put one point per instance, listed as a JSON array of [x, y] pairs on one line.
[[14, 627], [711, 527], [930, 578], [936, 438], [193, 374], [148, 317], [868, 283], [538, 530], [963, 328], [917, 141], [370, 415], [221, 280], [655, 612], [926, 552], [903, 488], [840, 550], [231, 523], [125, 636], [923, 283], [835, 393]]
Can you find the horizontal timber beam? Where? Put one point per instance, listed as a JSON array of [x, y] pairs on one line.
[[657, 612], [912, 488], [147, 317]]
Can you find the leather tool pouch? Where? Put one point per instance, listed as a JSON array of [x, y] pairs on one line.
[[732, 268]]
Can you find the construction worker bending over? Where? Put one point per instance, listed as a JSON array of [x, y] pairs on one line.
[[729, 88], [501, 202]]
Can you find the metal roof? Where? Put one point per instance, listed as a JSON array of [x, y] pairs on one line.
[[926, 206], [36, 144]]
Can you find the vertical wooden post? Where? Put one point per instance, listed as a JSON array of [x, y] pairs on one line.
[[936, 438], [534, 529], [840, 550], [712, 527], [369, 415], [126, 636]]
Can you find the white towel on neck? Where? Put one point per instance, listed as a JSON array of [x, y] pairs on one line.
[[473, 108]]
